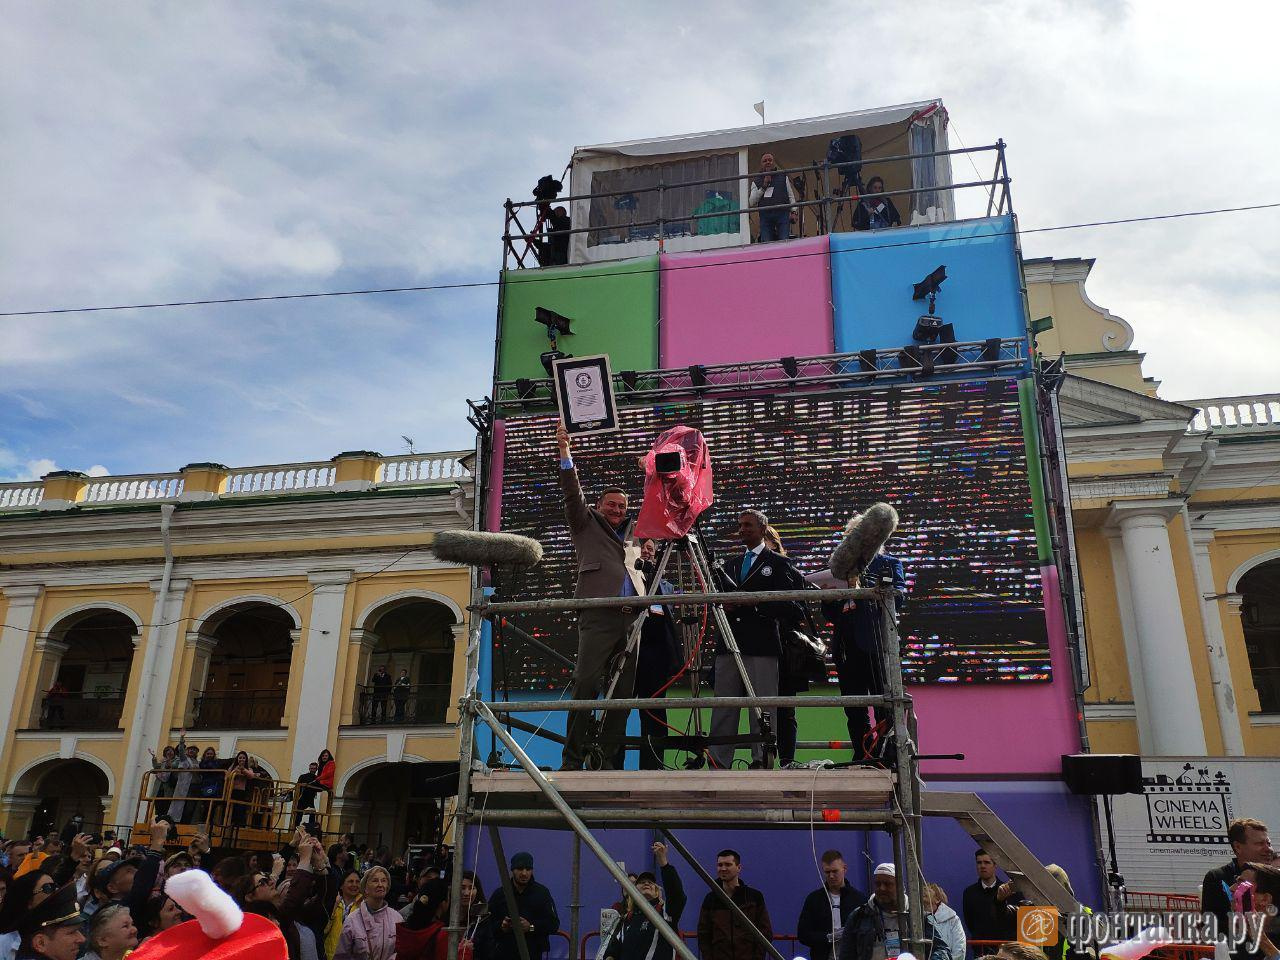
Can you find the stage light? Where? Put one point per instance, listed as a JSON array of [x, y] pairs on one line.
[[524, 388], [549, 357], [867, 361], [991, 350], [790, 367], [555, 323], [920, 362], [629, 379], [928, 287], [698, 375]]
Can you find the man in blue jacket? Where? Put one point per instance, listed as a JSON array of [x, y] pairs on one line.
[[857, 650], [871, 932]]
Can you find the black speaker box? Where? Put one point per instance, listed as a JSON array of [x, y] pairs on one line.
[[1102, 773]]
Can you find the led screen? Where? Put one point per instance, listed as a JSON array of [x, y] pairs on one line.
[[949, 456]]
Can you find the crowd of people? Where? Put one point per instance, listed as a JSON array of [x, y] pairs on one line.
[[80, 895], [764, 633]]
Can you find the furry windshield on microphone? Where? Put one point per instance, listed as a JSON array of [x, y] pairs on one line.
[[865, 534], [478, 549]]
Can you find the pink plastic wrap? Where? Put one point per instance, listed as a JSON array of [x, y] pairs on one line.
[[673, 501]]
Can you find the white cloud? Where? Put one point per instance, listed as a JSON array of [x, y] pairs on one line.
[[200, 150]]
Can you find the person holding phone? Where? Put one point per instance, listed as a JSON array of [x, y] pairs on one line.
[[774, 196], [990, 905]]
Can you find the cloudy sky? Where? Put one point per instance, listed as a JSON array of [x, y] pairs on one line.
[[163, 151]]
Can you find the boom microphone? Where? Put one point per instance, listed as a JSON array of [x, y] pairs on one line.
[[479, 549], [865, 534]]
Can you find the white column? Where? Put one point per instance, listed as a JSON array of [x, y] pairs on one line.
[[20, 609], [1224, 693], [1173, 708], [1132, 653], [319, 667], [148, 727]]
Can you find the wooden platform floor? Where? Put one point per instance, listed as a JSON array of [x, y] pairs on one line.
[[851, 789]]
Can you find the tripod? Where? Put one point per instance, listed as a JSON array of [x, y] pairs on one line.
[[690, 549]]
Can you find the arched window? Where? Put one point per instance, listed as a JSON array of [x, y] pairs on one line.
[[91, 676], [62, 789], [248, 676], [1260, 616], [410, 665]]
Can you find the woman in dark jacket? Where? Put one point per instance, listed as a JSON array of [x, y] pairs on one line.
[[875, 213]]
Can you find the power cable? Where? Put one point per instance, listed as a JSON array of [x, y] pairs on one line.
[[466, 285]]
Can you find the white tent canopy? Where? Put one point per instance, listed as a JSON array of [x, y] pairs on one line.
[[761, 133], [621, 178]]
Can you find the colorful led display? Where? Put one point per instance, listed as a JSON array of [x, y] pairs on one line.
[[949, 456]]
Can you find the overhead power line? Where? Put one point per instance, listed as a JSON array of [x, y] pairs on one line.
[[540, 278]]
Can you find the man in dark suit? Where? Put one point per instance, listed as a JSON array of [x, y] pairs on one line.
[[1250, 843], [606, 558], [856, 648], [756, 630]]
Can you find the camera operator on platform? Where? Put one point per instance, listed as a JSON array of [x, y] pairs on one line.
[[606, 556], [756, 629], [856, 647]]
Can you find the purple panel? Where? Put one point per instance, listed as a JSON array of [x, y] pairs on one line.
[[1055, 825], [754, 303]]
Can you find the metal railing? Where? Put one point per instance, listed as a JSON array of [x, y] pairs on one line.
[[523, 247], [97, 710], [238, 710], [418, 704], [1246, 413], [261, 814]]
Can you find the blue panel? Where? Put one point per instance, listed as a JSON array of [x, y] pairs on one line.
[[872, 274]]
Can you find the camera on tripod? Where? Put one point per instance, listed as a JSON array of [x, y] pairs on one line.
[[677, 485], [548, 189]]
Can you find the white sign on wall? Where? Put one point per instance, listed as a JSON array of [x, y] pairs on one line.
[[1171, 835]]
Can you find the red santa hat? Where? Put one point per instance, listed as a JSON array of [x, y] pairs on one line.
[[220, 930]]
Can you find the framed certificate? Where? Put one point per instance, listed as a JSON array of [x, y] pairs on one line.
[[584, 393]]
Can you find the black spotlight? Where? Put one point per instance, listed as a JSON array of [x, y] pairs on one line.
[[867, 361], [629, 379], [790, 367], [919, 361], [928, 287], [698, 375], [524, 388], [557, 324], [548, 357], [991, 350]]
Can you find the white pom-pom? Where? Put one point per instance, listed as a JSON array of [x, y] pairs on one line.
[[196, 893]]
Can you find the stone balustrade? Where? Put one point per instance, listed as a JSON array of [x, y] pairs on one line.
[[67, 489]]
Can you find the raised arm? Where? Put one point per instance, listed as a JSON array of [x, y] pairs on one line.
[[576, 510]]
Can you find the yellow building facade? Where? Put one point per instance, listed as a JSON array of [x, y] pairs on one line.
[[1176, 513], [250, 607]]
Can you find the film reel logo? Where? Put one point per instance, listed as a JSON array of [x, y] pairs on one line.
[[1037, 926]]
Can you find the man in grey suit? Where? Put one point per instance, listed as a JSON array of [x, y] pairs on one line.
[[605, 569]]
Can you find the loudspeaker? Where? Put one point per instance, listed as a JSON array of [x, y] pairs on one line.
[[1102, 773]]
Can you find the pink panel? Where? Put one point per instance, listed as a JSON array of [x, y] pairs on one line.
[[754, 303], [493, 508], [1005, 728]]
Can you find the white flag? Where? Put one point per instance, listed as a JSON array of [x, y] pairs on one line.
[[759, 108]]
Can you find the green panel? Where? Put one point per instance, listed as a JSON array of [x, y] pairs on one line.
[[1035, 474], [613, 306]]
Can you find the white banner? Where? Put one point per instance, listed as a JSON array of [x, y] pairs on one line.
[[1171, 835]]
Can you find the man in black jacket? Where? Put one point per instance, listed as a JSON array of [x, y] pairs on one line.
[[1250, 843], [825, 911], [756, 630], [721, 935], [989, 905], [535, 912], [634, 937]]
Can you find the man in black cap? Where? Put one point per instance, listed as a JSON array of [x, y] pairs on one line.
[[51, 931], [535, 912], [129, 880]]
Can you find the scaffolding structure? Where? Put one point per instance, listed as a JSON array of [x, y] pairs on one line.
[[851, 797]]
